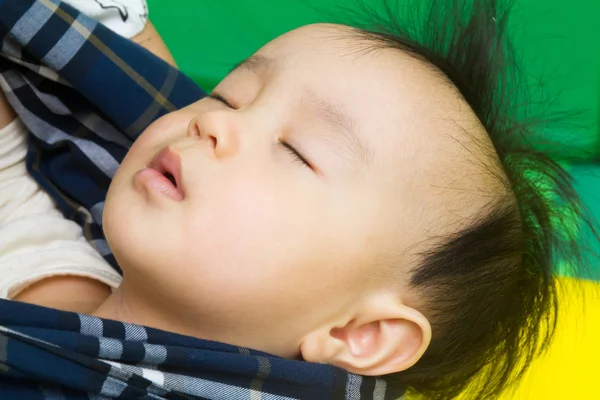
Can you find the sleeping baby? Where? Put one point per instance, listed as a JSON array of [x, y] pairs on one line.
[[343, 196]]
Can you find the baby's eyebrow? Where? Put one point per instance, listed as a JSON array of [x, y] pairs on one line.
[[343, 126], [256, 64]]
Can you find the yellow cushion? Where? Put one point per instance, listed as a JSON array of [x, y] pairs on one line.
[[570, 368]]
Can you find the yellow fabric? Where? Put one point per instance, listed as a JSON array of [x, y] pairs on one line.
[[571, 367]]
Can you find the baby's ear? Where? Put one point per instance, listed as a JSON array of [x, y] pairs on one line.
[[378, 342]]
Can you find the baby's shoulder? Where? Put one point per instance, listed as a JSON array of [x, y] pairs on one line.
[[67, 293]]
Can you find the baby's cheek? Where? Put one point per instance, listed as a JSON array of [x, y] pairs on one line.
[[162, 132], [236, 226], [247, 245], [256, 219]]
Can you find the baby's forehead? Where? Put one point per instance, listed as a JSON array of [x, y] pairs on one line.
[[426, 139], [394, 98], [337, 61]]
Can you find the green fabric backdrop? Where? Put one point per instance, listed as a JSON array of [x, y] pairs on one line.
[[558, 41]]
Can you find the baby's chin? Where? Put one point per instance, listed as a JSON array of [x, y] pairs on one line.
[[119, 217]]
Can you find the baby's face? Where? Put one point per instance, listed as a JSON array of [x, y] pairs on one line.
[[293, 195]]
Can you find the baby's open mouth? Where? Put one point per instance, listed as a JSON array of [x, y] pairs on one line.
[[170, 177], [168, 164]]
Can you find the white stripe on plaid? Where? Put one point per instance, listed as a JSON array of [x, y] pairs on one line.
[[11, 50], [113, 387], [153, 375], [130, 371], [102, 159], [104, 129], [70, 43], [264, 368], [42, 71], [135, 332], [101, 245], [90, 326], [97, 211], [380, 387], [353, 387], [155, 354], [41, 12], [212, 390], [111, 349], [185, 384], [15, 333]]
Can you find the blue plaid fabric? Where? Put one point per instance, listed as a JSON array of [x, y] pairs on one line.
[[85, 94], [47, 354]]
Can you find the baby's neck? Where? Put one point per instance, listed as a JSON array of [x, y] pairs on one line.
[[115, 307], [123, 305]]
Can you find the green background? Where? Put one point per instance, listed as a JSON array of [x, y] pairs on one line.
[[558, 43]]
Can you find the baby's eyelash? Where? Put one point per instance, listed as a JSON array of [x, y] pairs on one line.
[[297, 156], [221, 99]]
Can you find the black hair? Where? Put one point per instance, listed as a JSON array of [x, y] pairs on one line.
[[490, 290]]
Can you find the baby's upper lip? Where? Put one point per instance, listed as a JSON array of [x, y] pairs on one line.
[[169, 161]]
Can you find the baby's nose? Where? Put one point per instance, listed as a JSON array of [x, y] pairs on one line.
[[215, 129]]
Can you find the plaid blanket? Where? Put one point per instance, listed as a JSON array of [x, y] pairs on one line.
[[47, 354], [85, 94]]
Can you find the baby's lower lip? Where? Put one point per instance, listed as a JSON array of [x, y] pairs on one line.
[[157, 182]]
